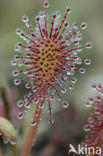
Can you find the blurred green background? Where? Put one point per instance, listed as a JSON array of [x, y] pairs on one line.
[[90, 11]]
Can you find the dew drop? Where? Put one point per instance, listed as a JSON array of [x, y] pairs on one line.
[[63, 90], [19, 44], [20, 103], [16, 57], [66, 24], [72, 67], [70, 86], [94, 85], [25, 19], [54, 15], [68, 9], [52, 97], [34, 89], [13, 142], [37, 18], [87, 61], [91, 98], [88, 45], [15, 73], [18, 31], [100, 86], [98, 97], [13, 62], [6, 140], [86, 127], [46, 4], [96, 109], [27, 105], [28, 25], [36, 100], [83, 25], [28, 85], [33, 122], [73, 80], [65, 104], [20, 115], [82, 70], [68, 73], [17, 81], [41, 105], [51, 121], [90, 120], [76, 41], [87, 104]]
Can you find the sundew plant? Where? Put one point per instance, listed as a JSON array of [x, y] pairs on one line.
[[49, 59], [94, 126]]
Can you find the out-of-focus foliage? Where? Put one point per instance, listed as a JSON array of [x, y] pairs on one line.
[[7, 130]]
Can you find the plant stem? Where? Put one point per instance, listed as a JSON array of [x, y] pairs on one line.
[[1, 154], [31, 136]]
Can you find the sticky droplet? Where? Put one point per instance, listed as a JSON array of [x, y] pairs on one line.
[[65, 104]]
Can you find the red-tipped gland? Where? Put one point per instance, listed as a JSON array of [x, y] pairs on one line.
[[88, 45], [94, 85], [76, 42], [18, 31], [82, 70], [32, 34], [65, 104], [66, 24], [25, 19], [20, 115], [54, 15], [19, 44], [83, 25], [37, 19], [46, 4], [17, 81], [16, 57], [22, 34], [15, 73], [56, 29], [20, 103], [87, 61], [68, 9], [41, 105], [33, 122], [62, 21]]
